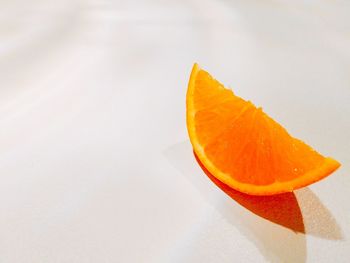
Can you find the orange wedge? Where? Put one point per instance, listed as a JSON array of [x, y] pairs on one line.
[[242, 146]]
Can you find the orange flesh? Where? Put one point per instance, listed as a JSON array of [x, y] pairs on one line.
[[242, 146]]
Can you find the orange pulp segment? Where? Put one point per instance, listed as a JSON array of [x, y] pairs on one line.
[[242, 146]]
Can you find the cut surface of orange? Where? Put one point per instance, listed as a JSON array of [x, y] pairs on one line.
[[242, 146]]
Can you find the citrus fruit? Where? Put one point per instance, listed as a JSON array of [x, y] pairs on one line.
[[242, 146]]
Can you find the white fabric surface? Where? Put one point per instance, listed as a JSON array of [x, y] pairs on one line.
[[95, 161]]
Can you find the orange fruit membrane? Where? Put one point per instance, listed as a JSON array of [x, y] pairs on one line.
[[242, 146]]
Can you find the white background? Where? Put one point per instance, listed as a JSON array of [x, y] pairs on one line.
[[95, 161]]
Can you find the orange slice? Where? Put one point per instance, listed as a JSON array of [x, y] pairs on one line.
[[242, 146]]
